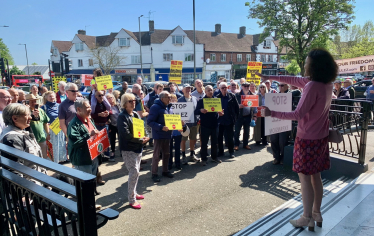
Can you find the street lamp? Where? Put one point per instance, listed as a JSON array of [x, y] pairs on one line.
[[27, 59], [141, 58]]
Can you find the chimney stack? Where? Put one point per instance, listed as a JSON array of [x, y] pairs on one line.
[[82, 32], [242, 30], [218, 29], [151, 26]]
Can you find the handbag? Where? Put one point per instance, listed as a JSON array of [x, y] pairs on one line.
[[334, 135]]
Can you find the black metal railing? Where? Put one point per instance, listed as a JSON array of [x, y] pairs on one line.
[[351, 117], [29, 207]]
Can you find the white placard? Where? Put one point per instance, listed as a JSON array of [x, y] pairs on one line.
[[185, 109], [278, 102]]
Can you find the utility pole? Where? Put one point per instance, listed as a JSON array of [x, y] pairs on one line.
[[141, 58], [194, 43], [27, 59]]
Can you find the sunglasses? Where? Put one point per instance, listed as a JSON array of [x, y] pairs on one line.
[[245, 85], [224, 88], [132, 100], [262, 87], [100, 95], [74, 91], [282, 85], [233, 85]]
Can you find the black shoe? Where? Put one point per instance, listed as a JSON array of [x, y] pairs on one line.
[[258, 143], [167, 174], [265, 143], [155, 178], [178, 167], [97, 193], [216, 160], [276, 162], [220, 154], [232, 155]]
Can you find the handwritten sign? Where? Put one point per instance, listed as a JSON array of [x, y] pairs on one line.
[[104, 82], [97, 144], [55, 126], [253, 67], [250, 100], [138, 127], [212, 104], [86, 79], [55, 81], [173, 122], [185, 110], [278, 102], [49, 150], [176, 71]]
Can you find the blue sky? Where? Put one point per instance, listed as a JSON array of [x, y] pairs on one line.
[[37, 23]]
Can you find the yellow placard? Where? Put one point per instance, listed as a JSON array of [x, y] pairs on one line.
[[173, 122], [253, 67], [104, 82], [138, 127], [55, 126], [212, 104], [55, 81], [176, 71]]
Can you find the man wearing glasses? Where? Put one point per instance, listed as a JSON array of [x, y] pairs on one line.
[[230, 107], [66, 110], [5, 100]]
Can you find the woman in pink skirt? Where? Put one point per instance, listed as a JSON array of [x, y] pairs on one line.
[[311, 150]]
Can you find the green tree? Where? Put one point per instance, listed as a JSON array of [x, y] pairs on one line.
[[37, 73], [16, 71], [4, 52], [293, 68], [363, 48], [34, 64], [301, 24]]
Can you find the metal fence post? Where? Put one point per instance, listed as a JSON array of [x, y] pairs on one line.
[[364, 130], [86, 207]]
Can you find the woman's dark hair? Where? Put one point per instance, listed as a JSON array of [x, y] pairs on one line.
[[98, 71], [322, 66]]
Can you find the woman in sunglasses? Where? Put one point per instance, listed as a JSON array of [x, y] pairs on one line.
[[311, 149], [259, 129]]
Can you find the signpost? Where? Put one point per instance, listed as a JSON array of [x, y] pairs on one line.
[[212, 104], [185, 110], [173, 122], [278, 102], [98, 144], [253, 67], [176, 71]]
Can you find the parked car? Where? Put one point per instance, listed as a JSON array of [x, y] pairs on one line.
[[119, 87], [115, 83], [4, 87], [368, 77], [360, 88], [150, 85]]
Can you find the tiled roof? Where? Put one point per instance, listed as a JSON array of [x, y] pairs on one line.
[[90, 41], [62, 46], [105, 40], [33, 69]]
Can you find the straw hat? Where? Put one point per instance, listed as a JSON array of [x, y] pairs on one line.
[[31, 97]]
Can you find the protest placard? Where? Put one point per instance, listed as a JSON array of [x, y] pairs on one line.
[[212, 104], [260, 111], [98, 143], [86, 79], [250, 100], [55, 81], [252, 68], [176, 71], [104, 82], [185, 110], [138, 127], [49, 150], [278, 102], [173, 122], [55, 126]]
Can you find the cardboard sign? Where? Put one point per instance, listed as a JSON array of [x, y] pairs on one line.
[[55, 81], [253, 67], [86, 80], [212, 104], [138, 127], [185, 110], [260, 111], [104, 82], [278, 102], [176, 71], [173, 122], [98, 144], [250, 100], [55, 126], [49, 150]]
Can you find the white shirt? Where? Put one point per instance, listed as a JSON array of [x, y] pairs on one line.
[[198, 95], [2, 124]]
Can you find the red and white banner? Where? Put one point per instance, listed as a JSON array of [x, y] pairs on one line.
[[86, 79], [356, 65], [98, 144]]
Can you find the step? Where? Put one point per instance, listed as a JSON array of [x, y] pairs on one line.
[[340, 198]]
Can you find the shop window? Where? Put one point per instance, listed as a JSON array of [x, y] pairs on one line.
[[168, 56], [212, 57], [238, 57], [223, 57]]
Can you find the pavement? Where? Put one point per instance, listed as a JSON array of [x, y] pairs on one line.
[[217, 199]]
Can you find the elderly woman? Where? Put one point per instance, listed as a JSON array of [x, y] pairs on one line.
[[17, 118], [259, 130], [131, 148], [21, 95], [113, 131], [311, 150], [35, 92], [61, 94], [116, 94], [50, 108]]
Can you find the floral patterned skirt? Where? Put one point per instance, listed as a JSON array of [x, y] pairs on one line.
[[311, 156]]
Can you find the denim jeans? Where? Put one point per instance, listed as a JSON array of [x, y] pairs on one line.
[[244, 122], [99, 128], [175, 143]]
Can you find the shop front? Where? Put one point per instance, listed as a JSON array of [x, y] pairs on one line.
[[212, 72], [269, 68], [130, 75], [240, 71]]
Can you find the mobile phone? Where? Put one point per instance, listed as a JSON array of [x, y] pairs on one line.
[[36, 106]]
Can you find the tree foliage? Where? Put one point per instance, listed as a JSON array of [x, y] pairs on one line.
[[108, 58], [293, 68], [5, 53], [301, 24], [34, 64], [16, 71], [36, 73]]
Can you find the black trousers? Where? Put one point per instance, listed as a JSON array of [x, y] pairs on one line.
[[228, 132], [204, 136], [278, 142], [113, 131]]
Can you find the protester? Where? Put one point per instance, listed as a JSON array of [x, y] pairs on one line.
[[39, 123], [66, 110], [339, 91], [44, 90], [242, 81], [35, 92], [348, 85], [175, 142], [124, 89], [226, 122], [40, 87], [14, 95], [144, 88], [370, 91], [173, 87], [97, 72], [61, 95], [154, 95], [151, 94], [199, 92], [192, 126], [5, 100], [21, 96], [217, 91], [279, 140], [79, 95], [209, 125], [252, 88], [268, 86], [116, 94], [311, 148], [131, 148], [139, 108], [234, 88], [259, 129], [80, 129], [161, 135], [50, 108], [113, 117], [244, 118]]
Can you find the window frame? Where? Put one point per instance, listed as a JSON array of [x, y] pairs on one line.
[[174, 39], [186, 55], [127, 40], [237, 57], [79, 46], [90, 62], [133, 61], [211, 57], [167, 56], [223, 57], [80, 62], [246, 57]]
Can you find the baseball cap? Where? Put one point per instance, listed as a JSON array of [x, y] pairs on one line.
[[187, 86]]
